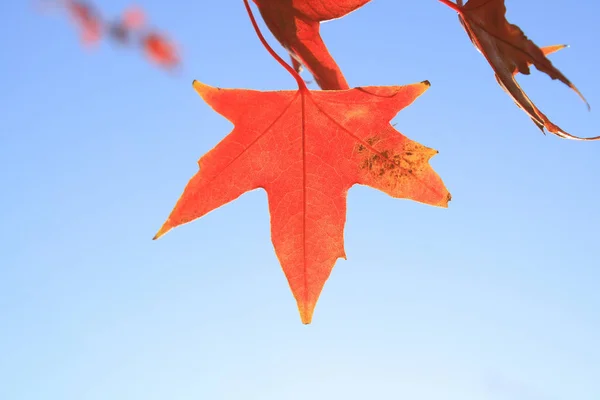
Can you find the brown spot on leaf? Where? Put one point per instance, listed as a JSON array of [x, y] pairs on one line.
[[392, 166]]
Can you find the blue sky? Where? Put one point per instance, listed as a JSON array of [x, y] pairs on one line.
[[493, 298]]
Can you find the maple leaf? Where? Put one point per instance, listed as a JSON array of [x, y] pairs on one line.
[[306, 149], [296, 24], [509, 51]]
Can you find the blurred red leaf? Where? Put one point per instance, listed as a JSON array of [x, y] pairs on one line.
[[160, 50], [88, 20], [134, 18], [156, 46]]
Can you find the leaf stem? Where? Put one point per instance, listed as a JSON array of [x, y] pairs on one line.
[[452, 5], [288, 68]]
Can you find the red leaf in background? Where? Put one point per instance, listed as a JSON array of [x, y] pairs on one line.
[[306, 149], [88, 20], [156, 46], [509, 51], [160, 50], [133, 19], [296, 23]]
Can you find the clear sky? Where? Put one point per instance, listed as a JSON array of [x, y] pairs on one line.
[[494, 298]]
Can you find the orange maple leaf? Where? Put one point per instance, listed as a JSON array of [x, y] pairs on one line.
[[509, 52], [296, 24], [306, 149]]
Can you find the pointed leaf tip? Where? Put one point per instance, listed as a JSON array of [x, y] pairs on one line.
[[306, 313], [199, 86], [164, 229], [196, 84]]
